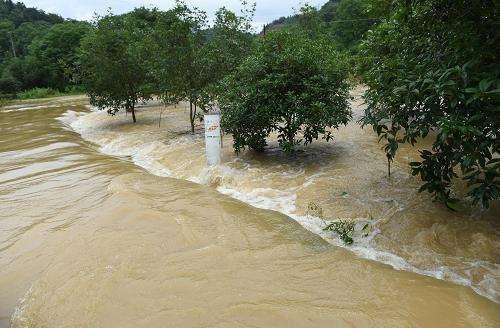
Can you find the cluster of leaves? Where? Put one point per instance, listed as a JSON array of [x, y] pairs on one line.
[[4, 102], [37, 49], [433, 68], [316, 210], [344, 230], [293, 85]]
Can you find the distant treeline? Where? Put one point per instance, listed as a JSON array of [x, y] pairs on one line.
[[37, 50], [345, 20]]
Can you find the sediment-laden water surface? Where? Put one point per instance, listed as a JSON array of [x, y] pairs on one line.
[[105, 223]]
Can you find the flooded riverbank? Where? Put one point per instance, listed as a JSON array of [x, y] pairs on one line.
[[346, 178], [89, 237]]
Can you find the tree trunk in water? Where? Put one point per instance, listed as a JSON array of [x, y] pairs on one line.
[[291, 138], [191, 116], [161, 112], [194, 114], [133, 114], [389, 167], [290, 135]]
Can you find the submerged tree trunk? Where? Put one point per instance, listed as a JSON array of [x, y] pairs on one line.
[[161, 112], [289, 131], [291, 137], [133, 114], [192, 114]]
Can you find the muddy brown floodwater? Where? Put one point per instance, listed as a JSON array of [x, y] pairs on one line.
[[108, 224]]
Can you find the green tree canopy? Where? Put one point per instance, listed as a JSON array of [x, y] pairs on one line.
[[351, 21], [37, 49], [175, 45], [187, 62], [57, 53], [230, 43], [291, 85], [26, 33], [113, 64], [18, 13], [433, 67], [6, 39]]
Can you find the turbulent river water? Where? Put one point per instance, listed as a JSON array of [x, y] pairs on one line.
[[106, 223]]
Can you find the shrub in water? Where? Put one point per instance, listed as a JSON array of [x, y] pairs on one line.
[[344, 230], [433, 66], [291, 85]]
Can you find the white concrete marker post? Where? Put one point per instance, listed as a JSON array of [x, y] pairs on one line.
[[213, 139]]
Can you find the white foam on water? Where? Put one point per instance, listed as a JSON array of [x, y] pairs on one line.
[[283, 201], [18, 108], [265, 198], [47, 103], [68, 118], [141, 158]]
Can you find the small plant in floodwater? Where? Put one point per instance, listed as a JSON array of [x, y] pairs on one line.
[[343, 228], [4, 102], [314, 209]]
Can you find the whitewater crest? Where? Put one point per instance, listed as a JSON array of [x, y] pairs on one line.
[[346, 178]]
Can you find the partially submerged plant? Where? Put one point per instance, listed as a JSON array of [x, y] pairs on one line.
[[4, 102], [344, 230], [314, 209]]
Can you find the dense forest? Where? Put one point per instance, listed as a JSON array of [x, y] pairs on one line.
[[430, 68], [37, 49], [345, 20]]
